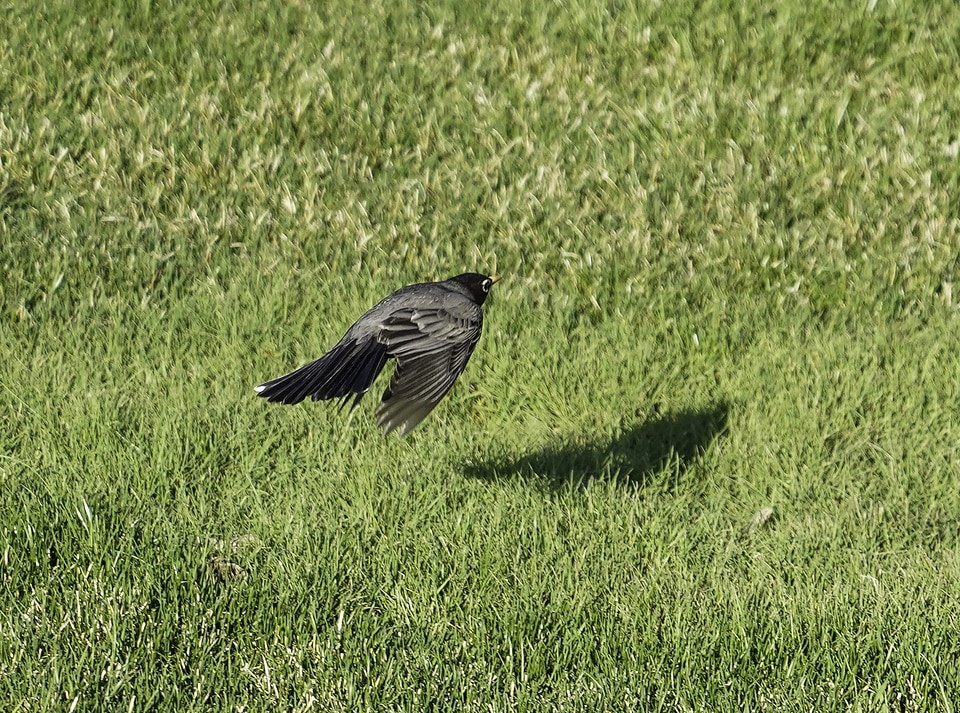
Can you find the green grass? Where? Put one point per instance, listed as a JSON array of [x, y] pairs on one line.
[[728, 233]]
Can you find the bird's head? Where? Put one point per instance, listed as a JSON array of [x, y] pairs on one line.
[[478, 285]]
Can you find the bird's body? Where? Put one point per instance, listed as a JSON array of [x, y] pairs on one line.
[[430, 328]]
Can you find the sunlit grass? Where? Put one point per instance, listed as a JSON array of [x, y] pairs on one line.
[[704, 457]]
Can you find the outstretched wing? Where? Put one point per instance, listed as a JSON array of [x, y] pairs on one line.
[[432, 347]]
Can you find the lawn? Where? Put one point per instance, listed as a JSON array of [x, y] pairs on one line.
[[704, 458]]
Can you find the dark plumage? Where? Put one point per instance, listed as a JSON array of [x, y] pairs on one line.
[[431, 330]]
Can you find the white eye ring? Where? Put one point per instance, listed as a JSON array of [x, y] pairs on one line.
[[487, 284]]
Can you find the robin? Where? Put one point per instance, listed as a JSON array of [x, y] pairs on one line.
[[430, 328]]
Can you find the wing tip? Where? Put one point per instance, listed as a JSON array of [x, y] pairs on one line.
[[401, 429], [402, 416]]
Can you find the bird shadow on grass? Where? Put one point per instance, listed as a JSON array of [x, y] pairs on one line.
[[667, 443]]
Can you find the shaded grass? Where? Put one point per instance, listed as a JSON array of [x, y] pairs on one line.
[[729, 236]]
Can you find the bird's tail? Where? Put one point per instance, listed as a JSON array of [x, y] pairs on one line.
[[347, 369]]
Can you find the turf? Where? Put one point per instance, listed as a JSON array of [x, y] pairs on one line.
[[704, 457]]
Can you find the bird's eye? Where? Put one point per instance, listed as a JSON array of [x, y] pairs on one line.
[[487, 284]]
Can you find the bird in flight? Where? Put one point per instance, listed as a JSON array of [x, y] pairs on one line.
[[430, 328]]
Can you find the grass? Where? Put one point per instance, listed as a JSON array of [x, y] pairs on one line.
[[704, 458]]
